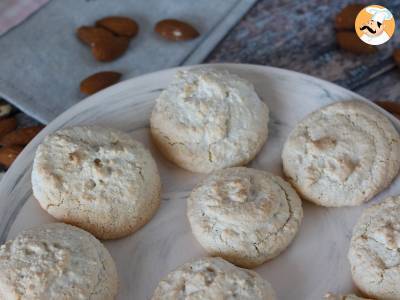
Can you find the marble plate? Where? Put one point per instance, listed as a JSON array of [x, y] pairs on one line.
[[313, 264]]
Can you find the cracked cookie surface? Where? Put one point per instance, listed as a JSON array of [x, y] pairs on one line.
[[207, 120], [374, 253], [244, 215], [213, 278], [56, 261], [99, 179], [342, 154]]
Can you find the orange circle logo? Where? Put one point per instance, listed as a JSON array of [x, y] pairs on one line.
[[375, 25]]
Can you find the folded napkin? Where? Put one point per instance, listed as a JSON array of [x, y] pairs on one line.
[[13, 12], [42, 62]]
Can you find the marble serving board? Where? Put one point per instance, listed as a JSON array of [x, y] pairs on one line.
[[315, 263]]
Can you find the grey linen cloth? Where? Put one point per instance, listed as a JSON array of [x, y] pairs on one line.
[[42, 62]]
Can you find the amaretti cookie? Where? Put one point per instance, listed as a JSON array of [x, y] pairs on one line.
[[213, 278], [99, 179], [342, 154], [56, 261], [208, 119], [374, 253], [244, 215]]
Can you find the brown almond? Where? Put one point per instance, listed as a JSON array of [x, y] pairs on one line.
[[5, 109], [346, 18], [99, 81], [110, 48], [7, 125], [121, 26], [90, 35], [21, 136], [390, 106], [349, 41], [9, 154], [396, 56], [175, 30]]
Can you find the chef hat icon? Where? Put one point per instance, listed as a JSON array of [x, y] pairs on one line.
[[379, 14]]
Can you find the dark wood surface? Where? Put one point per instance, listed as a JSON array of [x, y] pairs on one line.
[[300, 36]]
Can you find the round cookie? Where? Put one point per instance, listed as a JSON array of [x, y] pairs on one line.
[[206, 120], [56, 261], [374, 253], [342, 154], [99, 179], [244, 215], [213, 278]]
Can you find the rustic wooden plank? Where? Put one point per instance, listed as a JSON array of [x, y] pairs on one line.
[[384, 87], [300, 35]]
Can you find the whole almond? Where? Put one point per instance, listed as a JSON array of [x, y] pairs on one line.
[[90, 35], [99, 81], [346, 18], [175, 30], [21, 136], [349, 41], [110, 48], [7, 125], [122, 26], [9, 154], [396, 56]]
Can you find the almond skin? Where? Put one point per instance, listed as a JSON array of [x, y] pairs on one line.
[[9, 154], [175, 30], [99, 81], [349, 41], [396, 56], [7, 125], [121, 26], [390, 106], [346, 18], [109, 49], [21, 136], [90, 35]]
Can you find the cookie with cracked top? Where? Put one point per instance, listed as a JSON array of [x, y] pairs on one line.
[[342, 154], [244, 215], [213, 278], [209, 119], [96, 178], [56, 261], [374, 253]]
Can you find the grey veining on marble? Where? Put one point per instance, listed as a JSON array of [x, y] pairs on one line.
[[315, 262]]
